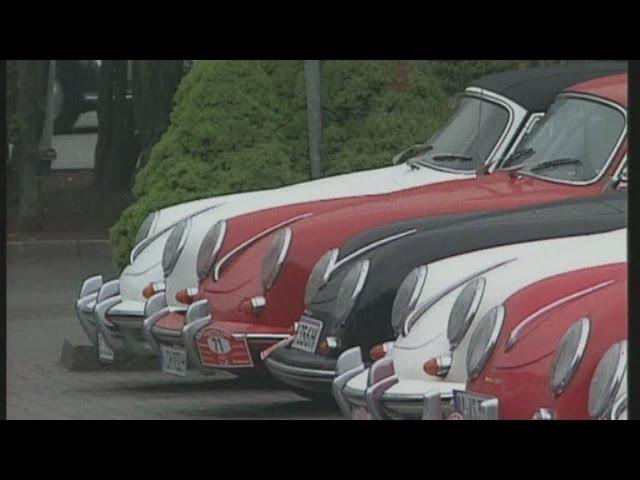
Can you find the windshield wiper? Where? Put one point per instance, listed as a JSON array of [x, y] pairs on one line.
[[450, 156], [557, 162], [518, 154], [411, 152]]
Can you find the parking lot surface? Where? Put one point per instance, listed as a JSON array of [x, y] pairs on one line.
[[40, 316]]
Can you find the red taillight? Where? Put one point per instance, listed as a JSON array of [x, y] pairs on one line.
[[379, 351]]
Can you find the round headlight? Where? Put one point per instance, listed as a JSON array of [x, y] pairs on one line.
[[147, 227], [319, 275], [464, 310], [275, 257], [407, 297], [175, 244], [351, 287], [484, 340], [568, 355], [209, 248], [607, 380]]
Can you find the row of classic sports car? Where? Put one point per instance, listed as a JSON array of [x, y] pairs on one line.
[[393, 289]]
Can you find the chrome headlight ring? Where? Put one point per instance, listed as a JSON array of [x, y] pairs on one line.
[[209, 248], [319, 275], [464, 310], [569, 353], [274, 260], [607, 380], [351, 287], [407, 297], [483, 340], [175, 243]]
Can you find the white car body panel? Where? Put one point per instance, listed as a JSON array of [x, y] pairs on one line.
[[379, 181], [534, 261]]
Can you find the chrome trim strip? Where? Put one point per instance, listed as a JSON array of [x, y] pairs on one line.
[[333, 267], [252, 240], [513, 337], [506, 103], [423, 307], [264, 336], [612, 155], [136, 250], [534, 118]]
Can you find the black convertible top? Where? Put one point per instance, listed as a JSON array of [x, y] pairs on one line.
[[536, 88]]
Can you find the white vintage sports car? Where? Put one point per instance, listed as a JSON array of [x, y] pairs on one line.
[[435, 335]]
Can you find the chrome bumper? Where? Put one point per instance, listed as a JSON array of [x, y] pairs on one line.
[[85, 305], [198, 316], [120, 327], [377, 399], [304, 378]]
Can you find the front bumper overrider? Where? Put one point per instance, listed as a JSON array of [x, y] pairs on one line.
[[385, 396], [120, 321]]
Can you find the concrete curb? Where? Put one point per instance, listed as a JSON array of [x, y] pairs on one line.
[[60, 248], [83, 358]]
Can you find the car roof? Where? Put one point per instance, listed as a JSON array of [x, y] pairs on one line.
[[613, 88], [536, 88]]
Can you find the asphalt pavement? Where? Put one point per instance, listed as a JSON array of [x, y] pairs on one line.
[[40, 315]]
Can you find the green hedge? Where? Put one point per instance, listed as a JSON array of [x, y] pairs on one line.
[[241, 125]]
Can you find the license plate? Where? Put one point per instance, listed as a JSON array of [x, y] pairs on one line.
[[471, 406], [105, 352], [360, 413], [308, 334], [173, 360]]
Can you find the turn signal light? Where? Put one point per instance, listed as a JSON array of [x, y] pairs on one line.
[[253, 305], [187, 295], [329, 345], [379, 351], [438, 366], [153, 288]]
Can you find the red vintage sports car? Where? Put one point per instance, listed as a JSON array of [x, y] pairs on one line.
[[545, 362], [255, 292]]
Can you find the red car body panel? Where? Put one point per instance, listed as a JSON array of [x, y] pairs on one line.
[[520, 377], [332, 222]]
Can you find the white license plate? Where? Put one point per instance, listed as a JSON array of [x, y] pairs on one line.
[[173, 360], [105, 352], [307, 335], [471, 406]]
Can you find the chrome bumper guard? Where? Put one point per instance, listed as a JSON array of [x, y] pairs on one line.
[[85, 307]]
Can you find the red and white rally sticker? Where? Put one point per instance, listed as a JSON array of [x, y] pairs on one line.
[[455, 416], [219, 348]]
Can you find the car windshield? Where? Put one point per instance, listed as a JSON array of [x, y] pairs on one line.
[[573, 143], [469, 137]]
